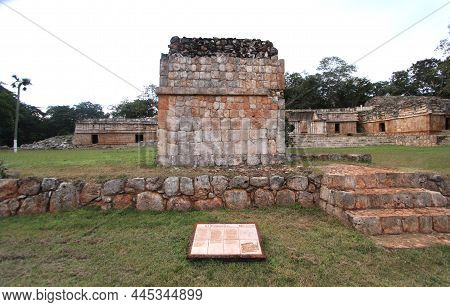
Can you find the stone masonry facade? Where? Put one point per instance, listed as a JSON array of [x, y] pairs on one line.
[[398, 120], [39, 195], [220, 103], [115, 131]]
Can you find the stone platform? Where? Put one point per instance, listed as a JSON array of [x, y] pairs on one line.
[[379, 201]]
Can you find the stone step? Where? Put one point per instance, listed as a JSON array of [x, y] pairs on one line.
[[383, 198], [351, 177], [396, 221], [412, 240]]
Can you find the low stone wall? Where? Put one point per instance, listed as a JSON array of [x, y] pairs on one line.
[[312, 141], [34, 195]]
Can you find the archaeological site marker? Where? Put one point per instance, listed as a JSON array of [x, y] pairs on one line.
[[226, 241], [220, 103]]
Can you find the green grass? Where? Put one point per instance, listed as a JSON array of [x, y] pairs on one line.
[[305, 247], [434, 159], [132, 162], [80, 163]]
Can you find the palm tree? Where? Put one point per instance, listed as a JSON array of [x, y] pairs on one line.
[[18, 83]]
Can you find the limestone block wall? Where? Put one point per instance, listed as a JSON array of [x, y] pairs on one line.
[[39, 195], [220, 108], [31, 195], [315, 141]]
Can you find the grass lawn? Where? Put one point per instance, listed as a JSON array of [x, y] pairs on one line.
[[81, 163], [305, 247], [434, 159], [132, 162]]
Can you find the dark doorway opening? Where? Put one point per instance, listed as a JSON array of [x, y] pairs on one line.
[[139, 137], [94, 138], [447, 123], [359, 128], [337, 128], [382, 127]]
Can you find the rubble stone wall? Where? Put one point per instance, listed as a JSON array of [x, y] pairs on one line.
[[36, 195], [220, 108], [32, 195]]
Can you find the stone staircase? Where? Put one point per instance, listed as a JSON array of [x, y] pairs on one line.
[[381, 201]]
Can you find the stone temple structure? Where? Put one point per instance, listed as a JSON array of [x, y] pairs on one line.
[[115, 131], [397, 120], [220, 103]]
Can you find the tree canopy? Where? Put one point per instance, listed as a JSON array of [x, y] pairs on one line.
[[335, 85], [145, 105]]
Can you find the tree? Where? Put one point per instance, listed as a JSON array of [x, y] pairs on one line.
[[61, 120], [32, 125], [146, 105], [134, 109], [7, 101], [333, 87], [400, 84], [85, 110]]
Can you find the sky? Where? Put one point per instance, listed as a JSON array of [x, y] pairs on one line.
[[128, 38]]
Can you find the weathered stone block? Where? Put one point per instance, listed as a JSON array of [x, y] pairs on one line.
[[368, 225], [171, 186], [236, 199], [202, 186], [208, 204], [136, 184], [276, 182], [410, 224], [179, 203], [306, 199], [112, 187], [263, 198], [285, 198], [90, 192], [186, 186], [391, 225], [154, 183], [122, 201], [440, 223], [64, 198], [49, 184], [425, 224], [219, 184], [150, 201], [35, 204], [29, 186], [259, 181], [8, 188], [9, 207], [298, 183], [239, 182]]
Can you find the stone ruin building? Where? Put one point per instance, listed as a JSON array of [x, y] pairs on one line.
[[400, 120], [220, 103], [115, 131], [401, 114]]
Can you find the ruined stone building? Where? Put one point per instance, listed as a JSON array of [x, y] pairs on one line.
[[220, 102], [324, 121], [115, 131], [400, 115], [401, 120]]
